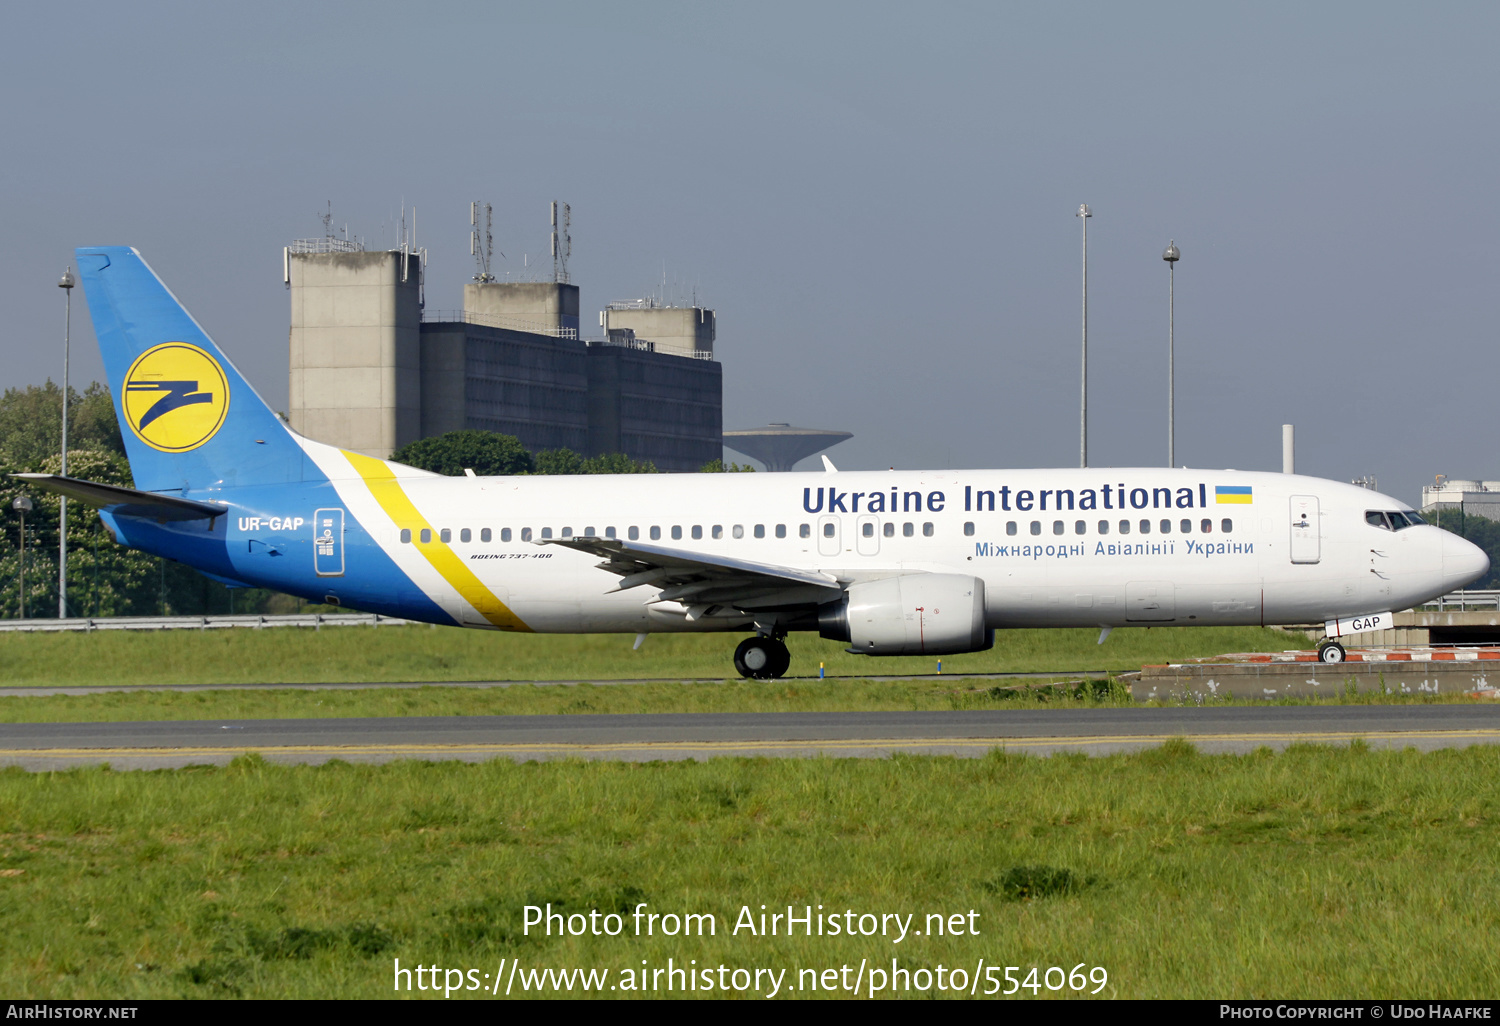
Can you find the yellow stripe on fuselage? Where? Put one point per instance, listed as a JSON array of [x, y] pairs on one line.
[[393, 499]]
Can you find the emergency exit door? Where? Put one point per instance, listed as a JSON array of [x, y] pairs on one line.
[[1306, 529]]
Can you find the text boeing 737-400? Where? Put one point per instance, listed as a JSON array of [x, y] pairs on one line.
[[894, 563]]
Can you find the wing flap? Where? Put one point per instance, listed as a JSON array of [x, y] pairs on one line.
[[680, 572], [125, 501]]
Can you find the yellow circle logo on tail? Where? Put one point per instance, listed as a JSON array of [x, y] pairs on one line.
[[176, 397]]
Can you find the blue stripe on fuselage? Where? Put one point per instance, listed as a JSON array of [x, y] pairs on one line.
[[245, 546]]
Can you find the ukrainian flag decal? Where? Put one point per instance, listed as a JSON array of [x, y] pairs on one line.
[[1232, 494]]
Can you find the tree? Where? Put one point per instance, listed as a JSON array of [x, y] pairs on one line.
[[487, 453], [31, 423], [566, 461], [718, 466]]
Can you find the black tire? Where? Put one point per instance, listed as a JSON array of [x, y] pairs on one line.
[[761, 658], [1331, 652]]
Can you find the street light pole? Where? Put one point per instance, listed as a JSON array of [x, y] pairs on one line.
[[66, 284], [1083, 401], [1171, 256], [21, 505]]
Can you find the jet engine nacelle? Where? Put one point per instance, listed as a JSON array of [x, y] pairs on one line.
[[918, 614]]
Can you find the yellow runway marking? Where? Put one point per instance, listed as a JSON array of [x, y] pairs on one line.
[[740, 746]]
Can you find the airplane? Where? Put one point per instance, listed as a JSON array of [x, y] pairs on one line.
[[891, 562]]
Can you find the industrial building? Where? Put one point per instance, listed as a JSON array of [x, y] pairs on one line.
[[1476, 498], [371, 369]]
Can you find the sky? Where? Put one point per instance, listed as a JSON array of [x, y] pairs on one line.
[[877, 199]]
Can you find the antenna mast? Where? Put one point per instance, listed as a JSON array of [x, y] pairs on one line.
[[562, 243], [482, 248]]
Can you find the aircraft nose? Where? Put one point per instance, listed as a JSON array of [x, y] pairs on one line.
[[1463, 562]]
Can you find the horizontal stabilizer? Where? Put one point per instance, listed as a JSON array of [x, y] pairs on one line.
[[127, 502]]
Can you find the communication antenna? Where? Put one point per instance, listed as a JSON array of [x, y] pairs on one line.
[[562, 243], [482, 247], [327, 220]]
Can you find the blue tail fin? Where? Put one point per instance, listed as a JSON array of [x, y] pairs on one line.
[[190, 421]]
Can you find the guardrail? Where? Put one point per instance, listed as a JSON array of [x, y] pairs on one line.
[[1464, 600], [317, 621]]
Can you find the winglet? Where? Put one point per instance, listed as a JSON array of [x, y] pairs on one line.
[[828, 466]]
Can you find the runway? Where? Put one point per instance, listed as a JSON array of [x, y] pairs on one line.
[[637, 738]]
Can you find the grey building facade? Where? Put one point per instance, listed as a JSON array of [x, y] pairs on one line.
[[370, 371]]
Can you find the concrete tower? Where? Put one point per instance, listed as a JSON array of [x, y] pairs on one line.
[[679, 330], [539, 307], [355, 367]]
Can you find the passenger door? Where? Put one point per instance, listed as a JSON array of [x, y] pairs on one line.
[[867, 537], [1306, 529]]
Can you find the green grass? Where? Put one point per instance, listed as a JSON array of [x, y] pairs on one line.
[[1317, 872], [740, 696], [299, 655]]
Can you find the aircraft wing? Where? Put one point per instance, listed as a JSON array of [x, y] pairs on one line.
[[125, 501], [700, 580]]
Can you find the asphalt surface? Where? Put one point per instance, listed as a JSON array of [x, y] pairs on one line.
[[644, 737], [30, 691]]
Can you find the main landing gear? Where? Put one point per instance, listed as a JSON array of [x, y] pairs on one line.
[[762, 657], [1330, 652]]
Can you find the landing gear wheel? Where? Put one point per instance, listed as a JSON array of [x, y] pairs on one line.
[[1330, 652], [762, 658]]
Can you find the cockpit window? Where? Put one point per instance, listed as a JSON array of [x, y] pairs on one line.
[[1375, 518], [1413, 517], [1398, 519]]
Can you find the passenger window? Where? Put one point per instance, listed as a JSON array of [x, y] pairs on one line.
[[1104, 527], [504, 534], [655, 533], [1166, 527], [426, 536], [927, 530], [969, 529], [405, 536], [567, 532], [1226, 525], [1375, 518], [1036, 527], [760, 530], [1057, 527], [1145, 527], [697, 532], [465, 535], [1186, 526], [1079, 527], [804, 531], [1206, 526], [1124, 526], [908, 530], [526, 534], [445, 536], [609, 532], [676, 532], [867, 529], [718, 531], [1010, 527], [781, 530], [738, 530], [485, 535], [546, 533], [827, 529], [588, 532], [634, 534], [889, 530]]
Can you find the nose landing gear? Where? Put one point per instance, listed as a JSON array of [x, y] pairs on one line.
[[1330, 652], [762, 657]]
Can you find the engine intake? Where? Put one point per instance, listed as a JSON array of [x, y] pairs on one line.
[[917, 614]]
